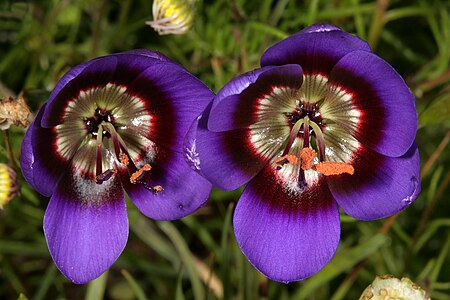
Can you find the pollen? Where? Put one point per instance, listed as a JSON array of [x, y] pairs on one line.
[[157, 189], [136, 175], [307, 156], [124, 158], [328, 168], [288, 158]]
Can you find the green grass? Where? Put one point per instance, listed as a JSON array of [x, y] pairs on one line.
[[197, 257]]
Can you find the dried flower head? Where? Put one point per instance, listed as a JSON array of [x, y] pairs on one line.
[[172, 16], [388, 287], [9, 187], [13, 111]]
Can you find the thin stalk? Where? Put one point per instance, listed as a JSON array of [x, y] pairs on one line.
[[431, 161], [378, 22], [11, 157], [425, 218]]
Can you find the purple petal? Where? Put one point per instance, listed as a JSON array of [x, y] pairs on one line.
[[184, 190], [75, 71], [27, 157], [388, 117], [86, 226], [317, 49], [174, 98], [148, 53], [227, 159], [98, 73], [242, 109], [381, 185], [41, 165], [287, 236]]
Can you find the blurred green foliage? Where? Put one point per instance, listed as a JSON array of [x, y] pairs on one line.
[[197, 257]]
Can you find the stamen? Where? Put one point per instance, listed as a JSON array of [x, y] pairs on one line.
[[99, 159], [306, 132], [320, 140], [105, 176], [138, 174], [307, 156], [293, 136], [328, 168], [288, 158], [156, 189]]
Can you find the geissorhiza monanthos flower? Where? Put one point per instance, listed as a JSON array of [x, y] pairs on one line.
[[324, 122], [111, 124]]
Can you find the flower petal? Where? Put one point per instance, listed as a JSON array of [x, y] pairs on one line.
[[184, 190], [41, 165], [97, 73], [173, 98], [229, 159], [317, 49], [381, 185], [286, 235], [268, 92], [145, 52], [86, 226], [387, 113]]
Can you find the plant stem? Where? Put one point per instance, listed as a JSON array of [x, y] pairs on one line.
[[378, 22], [12, 159]]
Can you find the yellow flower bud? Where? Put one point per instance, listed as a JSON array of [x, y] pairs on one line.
[[172, 16], [9, 187]]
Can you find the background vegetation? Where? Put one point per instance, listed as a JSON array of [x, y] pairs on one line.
[[197, 257]]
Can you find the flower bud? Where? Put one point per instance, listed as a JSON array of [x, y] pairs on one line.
[[9, 187], [172, 16]]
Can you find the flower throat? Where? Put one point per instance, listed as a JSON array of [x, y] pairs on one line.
[[306, 122], [102, 124]]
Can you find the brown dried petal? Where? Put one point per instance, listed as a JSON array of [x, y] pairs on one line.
[[14, 111]]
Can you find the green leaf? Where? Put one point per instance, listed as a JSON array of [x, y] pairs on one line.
[[186, 257], [96, 288], [343, 261], [438, 112], [138, 292]]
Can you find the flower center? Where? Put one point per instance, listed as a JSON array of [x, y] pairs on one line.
[[93, 123], [104, 130], [101, 125], [307, 124]]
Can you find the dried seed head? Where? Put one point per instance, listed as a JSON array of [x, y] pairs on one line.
[[13, 111], [388, 287]]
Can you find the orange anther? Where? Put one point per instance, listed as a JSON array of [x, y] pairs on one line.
[[288, 158], [136, 175], [328, 168], [157, 189], [124, 158], [307, 156]]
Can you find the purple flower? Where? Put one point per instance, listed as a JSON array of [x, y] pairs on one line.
[[324, 122], [116, 122]]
